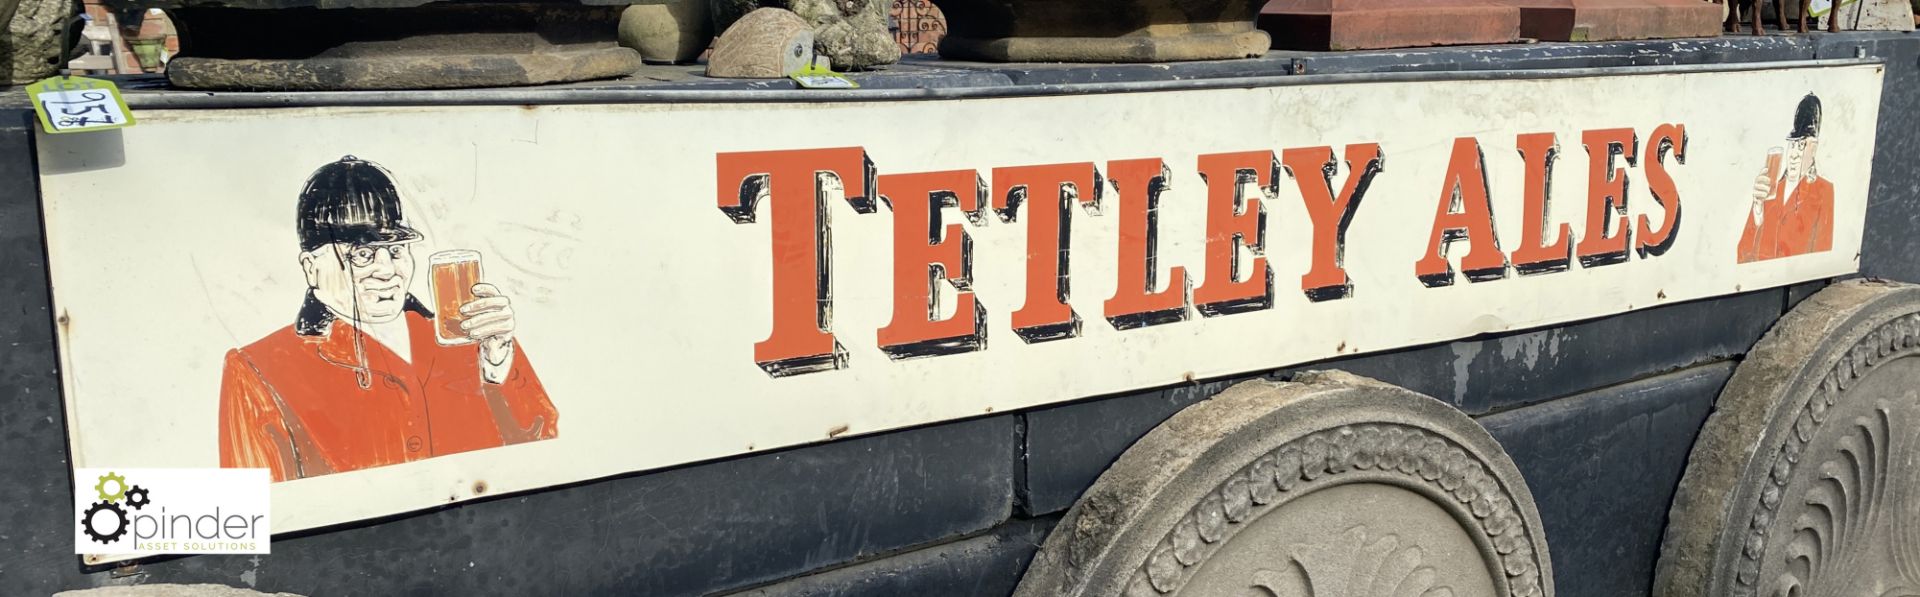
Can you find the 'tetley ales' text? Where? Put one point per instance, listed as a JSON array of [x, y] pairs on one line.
[[799, 185]]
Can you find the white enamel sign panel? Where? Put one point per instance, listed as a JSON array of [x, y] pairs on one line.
[[394, 308]]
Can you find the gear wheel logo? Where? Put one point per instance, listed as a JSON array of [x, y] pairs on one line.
[[137, 497], [120, 525], [119, 487]]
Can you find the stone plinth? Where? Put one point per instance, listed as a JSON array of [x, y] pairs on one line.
[[1600, 20], [1372, 24], [1100, 30]]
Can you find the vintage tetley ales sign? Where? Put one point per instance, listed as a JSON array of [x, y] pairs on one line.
[[931, 250], [394, 308]]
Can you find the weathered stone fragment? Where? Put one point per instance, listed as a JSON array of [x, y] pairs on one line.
[[767, 43], [852, 33], [34, 44], [670, 32]]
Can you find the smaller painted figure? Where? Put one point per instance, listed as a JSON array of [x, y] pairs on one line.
[[1792, 205]]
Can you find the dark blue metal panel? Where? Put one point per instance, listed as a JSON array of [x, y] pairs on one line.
[[1602, 467], [38, 554], [1891, 248], [989, 564], [692, 530], [1503, 372], [1069, 446]]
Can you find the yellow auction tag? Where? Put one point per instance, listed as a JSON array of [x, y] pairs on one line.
[[812, 76], [78, 104]]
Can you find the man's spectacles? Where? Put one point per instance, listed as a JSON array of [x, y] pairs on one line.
[[363, 255]]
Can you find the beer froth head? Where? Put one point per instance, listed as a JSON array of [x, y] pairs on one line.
[[354, 240]]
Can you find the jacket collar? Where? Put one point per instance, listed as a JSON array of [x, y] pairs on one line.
[[316, 319]]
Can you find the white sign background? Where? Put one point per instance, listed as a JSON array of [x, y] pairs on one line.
[[639, 301]]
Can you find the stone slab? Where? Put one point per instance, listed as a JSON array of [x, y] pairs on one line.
[[1602, 466], [403, 72]]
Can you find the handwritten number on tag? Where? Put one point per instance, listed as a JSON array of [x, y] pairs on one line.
[[78, 104]]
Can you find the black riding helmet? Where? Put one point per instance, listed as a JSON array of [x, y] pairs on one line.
[[351, 201]]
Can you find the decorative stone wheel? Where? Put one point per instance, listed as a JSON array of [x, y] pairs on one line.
[[1333, 485], [1805, 481]]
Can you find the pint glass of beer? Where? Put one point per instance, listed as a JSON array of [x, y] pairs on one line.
[[1774, 166], [454, 274]]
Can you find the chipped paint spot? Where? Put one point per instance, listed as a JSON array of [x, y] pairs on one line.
[[252, 576], [1463, 355], [1527, 347]]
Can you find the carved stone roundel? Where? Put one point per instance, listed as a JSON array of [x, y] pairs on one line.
[[1331, 485], [1805, 482]]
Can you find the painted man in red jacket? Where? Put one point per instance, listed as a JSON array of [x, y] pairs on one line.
[[359, 380], [1793, 207]]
